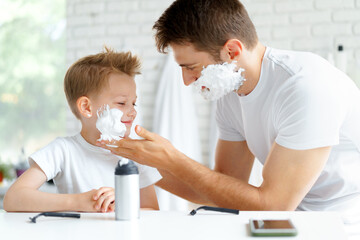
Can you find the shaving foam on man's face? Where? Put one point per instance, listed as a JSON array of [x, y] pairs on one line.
[[217, 80], [109, 124]]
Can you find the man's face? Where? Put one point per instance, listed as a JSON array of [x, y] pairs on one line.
[[121, 94], [211, 78], [191, 61]]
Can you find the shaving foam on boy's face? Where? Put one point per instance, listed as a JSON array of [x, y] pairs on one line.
[[109, 124], [217, 80]]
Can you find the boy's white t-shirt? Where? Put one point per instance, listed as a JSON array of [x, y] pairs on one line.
[[302, 102], [77, 166]]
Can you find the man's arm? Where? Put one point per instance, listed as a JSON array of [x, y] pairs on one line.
[[287, 175], [232, 158], [148, 199], [177, 187], [24, 196]]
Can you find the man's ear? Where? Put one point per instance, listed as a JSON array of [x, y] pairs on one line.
[[84, 107], [232, 50]]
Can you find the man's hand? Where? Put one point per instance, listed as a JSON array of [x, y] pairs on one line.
[[153, 150], [105, 199]]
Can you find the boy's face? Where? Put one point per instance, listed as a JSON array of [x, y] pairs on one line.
[[121, 94]]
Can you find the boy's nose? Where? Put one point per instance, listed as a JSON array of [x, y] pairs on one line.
[[132, 113]]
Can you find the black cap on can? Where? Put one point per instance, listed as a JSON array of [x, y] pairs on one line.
[[126, 169]]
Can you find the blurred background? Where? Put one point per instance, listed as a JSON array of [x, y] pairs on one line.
[[40, 39]]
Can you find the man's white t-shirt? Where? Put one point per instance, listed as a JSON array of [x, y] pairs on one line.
[[77, 166], [302, 102]]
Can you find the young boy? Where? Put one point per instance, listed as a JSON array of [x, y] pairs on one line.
[[82, 172]]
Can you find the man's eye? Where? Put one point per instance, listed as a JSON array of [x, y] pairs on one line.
[[190, 68], [121, 103]]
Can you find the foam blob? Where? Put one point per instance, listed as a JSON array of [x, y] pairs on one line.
[[123, 161], [109, 124], [217, 80]]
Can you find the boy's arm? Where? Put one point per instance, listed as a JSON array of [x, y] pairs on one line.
[[24, 196], [148, 198]]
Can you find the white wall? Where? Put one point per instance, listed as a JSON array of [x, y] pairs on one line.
[[310, 25]]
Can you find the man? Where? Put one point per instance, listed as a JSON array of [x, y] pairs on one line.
[[295, 112]]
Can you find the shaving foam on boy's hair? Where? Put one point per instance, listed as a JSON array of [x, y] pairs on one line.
[[109, 124], [217, 80]]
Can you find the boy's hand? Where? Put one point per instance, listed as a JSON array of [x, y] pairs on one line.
[[84, 202], [105, 199]]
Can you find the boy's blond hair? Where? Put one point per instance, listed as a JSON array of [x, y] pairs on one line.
[[89, 74]]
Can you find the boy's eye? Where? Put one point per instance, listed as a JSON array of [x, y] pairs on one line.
[[121, 103]]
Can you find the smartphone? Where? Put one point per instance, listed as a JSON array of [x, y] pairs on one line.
[[272, 227]]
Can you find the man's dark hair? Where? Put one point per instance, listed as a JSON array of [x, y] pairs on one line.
[[207, 24]]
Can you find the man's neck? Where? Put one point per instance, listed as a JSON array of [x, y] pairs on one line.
[[252, 65]]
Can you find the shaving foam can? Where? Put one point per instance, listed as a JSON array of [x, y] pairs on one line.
[[127, 193]]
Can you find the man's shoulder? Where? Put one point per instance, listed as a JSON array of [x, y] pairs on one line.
[[294, 62], [285, 55], [303, 71]]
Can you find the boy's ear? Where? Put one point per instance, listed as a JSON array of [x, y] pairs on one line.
[[84, 107], [232, 50]]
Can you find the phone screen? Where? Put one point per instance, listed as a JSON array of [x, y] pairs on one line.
[[272, 224], [283, 227]]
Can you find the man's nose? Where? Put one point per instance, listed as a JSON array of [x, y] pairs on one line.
[[188, 78]]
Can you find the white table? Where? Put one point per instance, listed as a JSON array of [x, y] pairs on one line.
[[166, 225]]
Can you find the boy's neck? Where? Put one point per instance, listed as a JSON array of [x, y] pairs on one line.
[[89, 136]]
